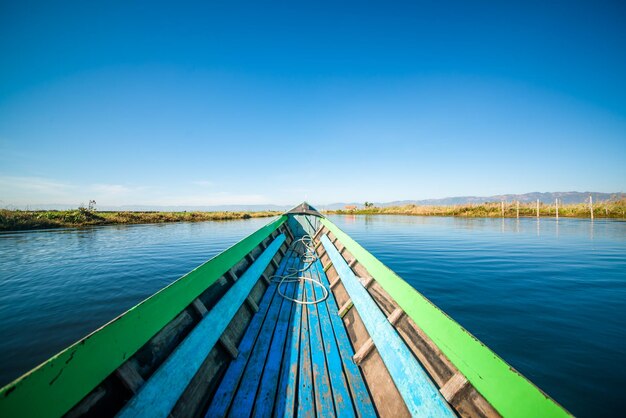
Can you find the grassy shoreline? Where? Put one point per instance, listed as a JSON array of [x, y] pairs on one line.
[[21, 220], [609, 209]]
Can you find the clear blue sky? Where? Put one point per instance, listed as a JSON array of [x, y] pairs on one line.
[[228, 102]]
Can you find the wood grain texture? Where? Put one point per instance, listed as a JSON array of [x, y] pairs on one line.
[[226, 391], [243, 403], [287, 388], [306, 406], [360, 396], [321, 379], [158, 395], [419, 393], [340, 390], [266, 395]]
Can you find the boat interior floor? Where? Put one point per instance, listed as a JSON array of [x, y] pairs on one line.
[[294, 359]]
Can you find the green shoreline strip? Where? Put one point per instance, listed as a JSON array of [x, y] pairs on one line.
[[510, 393], [54, 387]]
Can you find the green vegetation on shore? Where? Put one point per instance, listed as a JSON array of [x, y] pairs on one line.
[[16, 220], [607, 209]]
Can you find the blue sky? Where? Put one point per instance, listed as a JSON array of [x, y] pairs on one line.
[[235, 103]]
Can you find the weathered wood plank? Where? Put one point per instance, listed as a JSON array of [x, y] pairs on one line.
[[229, 346], [419, 393], [151, 356], [129, 375], [321, 380], [265, 278], [226, 391], [288, 230], [368, 282], [317, 233], [363, 351], [453, 386], [244, 400], [360, 395], [395, 316], [345, 308], [193, 401], [252, 305], [224, 340], [306, 406], [340, 391], [199, 307], [286, 401], [231, 274], [158, 395], [266, 395]]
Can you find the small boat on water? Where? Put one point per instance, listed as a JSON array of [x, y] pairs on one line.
[[297, 319]]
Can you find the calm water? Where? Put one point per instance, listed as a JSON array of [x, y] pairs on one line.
[[548, 297]]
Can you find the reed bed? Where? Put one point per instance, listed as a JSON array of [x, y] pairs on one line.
[[606, 209], [17, 220]]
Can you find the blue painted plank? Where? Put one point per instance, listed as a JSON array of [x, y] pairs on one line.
[[321, 380], [226, 391], [340, 391], [419, 393], [306, 407], [159, 394], [264, 403], [243, 403], [286, 399], [360, 395]]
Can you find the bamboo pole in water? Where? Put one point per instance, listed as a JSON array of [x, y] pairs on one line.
[[591, 206], [557, 208], [537, 208], [518, 209], [502, 208]]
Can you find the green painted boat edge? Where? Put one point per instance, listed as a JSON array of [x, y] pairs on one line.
[[55, 386], [510, 393]]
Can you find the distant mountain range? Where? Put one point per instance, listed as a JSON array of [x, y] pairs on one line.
[[549, 197]]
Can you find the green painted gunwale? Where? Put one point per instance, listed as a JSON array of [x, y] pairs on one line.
[[510, 393], [55, 386]]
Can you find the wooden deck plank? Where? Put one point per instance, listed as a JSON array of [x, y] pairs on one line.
[[264, 403], [129, 375], [287, 389], [360, 395], [243, 402], [321, 381], [159, 394], [340, 391], [306, 406], [419, 393], [227, 388]]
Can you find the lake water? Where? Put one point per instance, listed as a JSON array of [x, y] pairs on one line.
[[549, 297]]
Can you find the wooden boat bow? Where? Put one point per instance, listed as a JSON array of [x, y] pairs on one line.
[[234, 337]]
